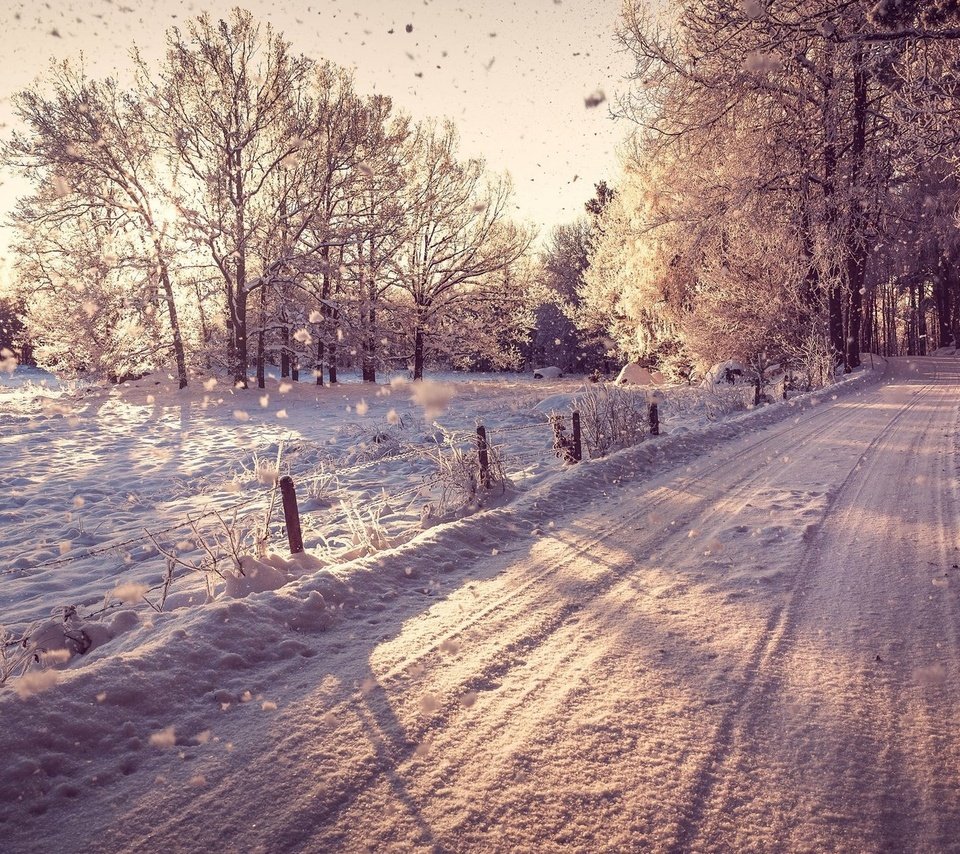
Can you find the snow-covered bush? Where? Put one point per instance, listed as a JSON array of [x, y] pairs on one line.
[[612, 417], [816, 362], [321, 484], [551, 372], [367, 533], [373, 441], [17, 654], [458, 475], [720, 401], [685, 403]]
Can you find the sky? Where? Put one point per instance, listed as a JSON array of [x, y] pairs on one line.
[[515, 76]]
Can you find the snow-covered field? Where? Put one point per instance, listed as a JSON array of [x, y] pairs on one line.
[[94, 481], [87, 473], [738, 635]]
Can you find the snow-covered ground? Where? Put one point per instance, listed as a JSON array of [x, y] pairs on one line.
[[86, 473], [96, 482], [736, 636]]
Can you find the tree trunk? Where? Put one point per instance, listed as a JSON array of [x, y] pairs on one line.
[[893, 345], [856, 239], [418, 353], [231, 328], [370, 348], [912, 330], [921, 320], [240, 301], [811, 278], [285, 352], [332, 350], [261, 343], [836, 321], [334, 329], [953, 286], [178, 351], [240, 373], [941, 297], [370, 334], [869, 320], [324, 331], [835, 294]]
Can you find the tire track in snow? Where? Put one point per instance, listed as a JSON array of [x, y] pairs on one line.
[[502, 616], [660, 497], [714, 779], [907, 699], [507, 610]]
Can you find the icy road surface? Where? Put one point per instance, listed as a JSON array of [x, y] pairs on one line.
[[754, 651]]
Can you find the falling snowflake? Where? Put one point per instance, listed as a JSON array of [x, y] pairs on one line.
[[594, 99]]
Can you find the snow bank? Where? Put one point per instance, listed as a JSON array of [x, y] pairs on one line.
[[634, 374], [24, 375], [565, 402], [730, 372], [549, 373]]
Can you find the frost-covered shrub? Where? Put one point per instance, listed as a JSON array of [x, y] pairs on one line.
[[322, 484], [612, 417], [682, 403], [718, 402], [459, 477], [373, 441], [367, 533], [17, 654], [816, 363]]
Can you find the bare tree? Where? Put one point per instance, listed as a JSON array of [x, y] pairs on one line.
[[228, 95], [459, 237]]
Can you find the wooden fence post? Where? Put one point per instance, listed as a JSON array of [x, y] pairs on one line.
[[562, 443], [577, 445], [654, 420], [291, 514], [483, 456]]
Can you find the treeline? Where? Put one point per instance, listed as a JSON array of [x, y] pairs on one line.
[[241, 205], [791, 188]]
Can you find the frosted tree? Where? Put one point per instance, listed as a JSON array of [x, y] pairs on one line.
[[12, 336], [90, 301], [790, 116], [316, 192], [343, 127], [86, 148], [555, 339], [747, 302], [636, 285], [378, 217], [229, 99]]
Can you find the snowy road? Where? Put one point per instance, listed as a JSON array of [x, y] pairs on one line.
[[754, 651]]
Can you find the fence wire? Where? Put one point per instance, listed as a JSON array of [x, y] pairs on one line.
[[178, 569]]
